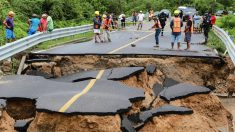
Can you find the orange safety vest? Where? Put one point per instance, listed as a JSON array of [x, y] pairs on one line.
[[177, 25]]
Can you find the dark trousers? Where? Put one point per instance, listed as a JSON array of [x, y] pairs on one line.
[[158, 31], [123, 24], [206, 33]]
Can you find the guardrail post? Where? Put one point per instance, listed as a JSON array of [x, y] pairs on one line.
[[232, 37]]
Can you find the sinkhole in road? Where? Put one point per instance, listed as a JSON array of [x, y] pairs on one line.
[[159, 74]]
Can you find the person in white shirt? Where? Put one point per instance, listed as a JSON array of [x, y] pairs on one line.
[[140, 20]]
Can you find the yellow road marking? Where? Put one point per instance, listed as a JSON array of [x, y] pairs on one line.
[[87, 89], [130, 43], [93, 81]]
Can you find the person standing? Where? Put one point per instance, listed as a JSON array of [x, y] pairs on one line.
[[140, 20], [176, 25], [97, 24], [34, 23], [188, 32], [157, 27], [197, 23], [50, 24], [134, 18], [43, 23], [206, 26], [123, 21], [9, 24], [106, 28], [162, 18]]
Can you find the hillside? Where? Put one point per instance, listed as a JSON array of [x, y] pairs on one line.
[[76, 12]]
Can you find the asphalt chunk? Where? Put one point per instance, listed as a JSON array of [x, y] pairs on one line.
[[168, 82], [181, 91], [151, 69], [164, 110], [157, 89], [22, 125], [127, 125], [124, 72]]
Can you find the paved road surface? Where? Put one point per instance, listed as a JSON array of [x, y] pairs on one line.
[[122, 40]]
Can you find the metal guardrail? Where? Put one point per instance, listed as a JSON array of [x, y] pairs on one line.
[[20, 45], [224, 36]]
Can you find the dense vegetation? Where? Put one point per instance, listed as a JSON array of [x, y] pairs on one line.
[[228, 23], [77, 12]]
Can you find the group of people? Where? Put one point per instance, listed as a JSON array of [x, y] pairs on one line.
[[35, 24], [176, 24], [102, 22]]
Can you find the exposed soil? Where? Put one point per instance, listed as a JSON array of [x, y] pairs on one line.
[[20, 109], [207, 72], [46, 122], [6, 123]]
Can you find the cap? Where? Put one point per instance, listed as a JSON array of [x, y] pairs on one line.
[[104, 16], [97, 13], [176, 12], [11, 13], [34, 15], [44, 15]]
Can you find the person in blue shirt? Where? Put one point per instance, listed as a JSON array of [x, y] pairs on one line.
[[34, 23], [9, 24]]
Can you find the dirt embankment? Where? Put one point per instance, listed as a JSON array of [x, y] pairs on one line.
[[209, 114], [6, 122], [206, 72], [46, 122]]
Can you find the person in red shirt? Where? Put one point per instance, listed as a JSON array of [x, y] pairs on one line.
[[213, 19]]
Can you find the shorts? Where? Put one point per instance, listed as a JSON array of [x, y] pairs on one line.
[[175, 38], [97, 31], [10, 34], [32, 31], [187, 37]]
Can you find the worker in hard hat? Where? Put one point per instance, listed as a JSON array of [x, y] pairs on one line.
[[9, 24], [97, 24], [106, 28], [176, 25]]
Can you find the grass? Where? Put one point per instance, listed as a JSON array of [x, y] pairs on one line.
[[62, 41], [215, 43]]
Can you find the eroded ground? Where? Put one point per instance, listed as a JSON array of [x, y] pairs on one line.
[[208, 112]]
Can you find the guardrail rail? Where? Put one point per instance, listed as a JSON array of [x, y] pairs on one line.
[[11, 49], [224, 36]]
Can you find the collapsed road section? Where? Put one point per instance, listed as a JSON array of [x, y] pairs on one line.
[[106, 93]]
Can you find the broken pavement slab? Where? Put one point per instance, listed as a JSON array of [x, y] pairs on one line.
[[181, 91], [139, 120], [105, 97], [124, 72], [110, 74]]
